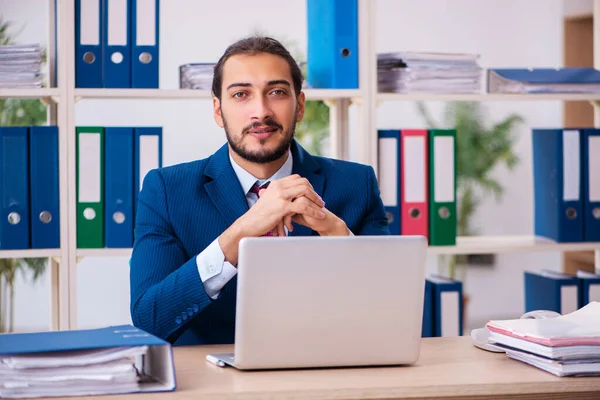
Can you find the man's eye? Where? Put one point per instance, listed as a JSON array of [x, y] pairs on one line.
[[278, 92], [238, 95]]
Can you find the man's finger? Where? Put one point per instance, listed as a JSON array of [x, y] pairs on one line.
[[298, 191], [306, 207], [287, 221]]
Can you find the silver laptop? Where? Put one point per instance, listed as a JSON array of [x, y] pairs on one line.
[[316, 301]]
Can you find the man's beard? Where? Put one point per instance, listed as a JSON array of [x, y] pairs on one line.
[[262, 156]]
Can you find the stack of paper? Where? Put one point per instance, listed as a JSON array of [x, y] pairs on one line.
[[407, 72], [20, 66], [120, 359], [568, 345], [543, 80], [196, 76]]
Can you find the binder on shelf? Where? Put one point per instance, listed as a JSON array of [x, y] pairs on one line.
[[442, 187], [427, 329], [112, 360], [447, 306], [44, 187], [148, 156], [591, 185], [145, 17], [90, 187], [414, 182], [589, 288], [116, 43], [389, 176], [118, 193], [558, 193], [14, 188], [550, 290], [543, 80], [88, 46], [332, 44]]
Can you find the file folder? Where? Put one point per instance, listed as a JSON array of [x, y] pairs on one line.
[[591, 185], [589, 288], [118, 193], [145, 17], [427, 330], [116, 43], [414, 182], [148, 156], [14, 188], [90, 188], [332, 44], [44, 187], [389, 176], [89, 348], [447, 306], [88, 47], [543, 80], [558, 193], [550, 290], [442, 187]]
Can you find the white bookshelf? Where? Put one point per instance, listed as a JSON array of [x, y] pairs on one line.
[[64, 96]]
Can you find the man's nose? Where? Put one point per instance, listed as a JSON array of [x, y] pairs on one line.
[[262, 109]]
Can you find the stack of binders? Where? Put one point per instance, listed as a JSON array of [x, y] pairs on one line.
[[568, 345], [29, 188], [116, 43], [417, 176], [112, 163], [20, 66], [566, 175]]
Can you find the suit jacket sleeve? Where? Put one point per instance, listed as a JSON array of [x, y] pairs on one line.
[[375, 220], [166, 289]]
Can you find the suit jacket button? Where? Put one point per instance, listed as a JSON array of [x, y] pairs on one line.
[[195, 308], [184, 316], [178, 321], [190, 312]]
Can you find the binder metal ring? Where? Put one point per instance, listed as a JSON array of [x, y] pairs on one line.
[[89, 213], [119, 217], [596, 212], [117, 57], [14, 218], [45, 217], [89, 57], [414, 213], [571, 213], [444, 212], [145, 58], [390, 217], [345, 52]]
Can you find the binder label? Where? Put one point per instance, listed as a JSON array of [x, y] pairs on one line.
[[449, 314], [89, 168], [594, 293], [90, 22], [388, 171], [117, 22], [145, 20], [594, 167], [148, 155], [569, 299], [443, 169], [413, 151], [571, 165]]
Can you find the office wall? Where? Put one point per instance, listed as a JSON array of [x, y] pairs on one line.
[[192, 33]]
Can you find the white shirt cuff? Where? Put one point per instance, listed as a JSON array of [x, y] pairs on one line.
[[214, 271]]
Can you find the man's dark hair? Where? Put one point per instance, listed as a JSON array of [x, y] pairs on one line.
[[252, 46]]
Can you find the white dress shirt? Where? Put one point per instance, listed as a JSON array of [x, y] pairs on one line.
[[214, 271]]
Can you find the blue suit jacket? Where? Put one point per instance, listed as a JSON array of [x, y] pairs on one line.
[[183, 208]]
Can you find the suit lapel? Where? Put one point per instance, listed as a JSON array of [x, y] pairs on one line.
[[306, 166], [225, 190]]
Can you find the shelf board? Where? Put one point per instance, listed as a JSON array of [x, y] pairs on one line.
[[488, 97], [188, 94], [104, 253], [29, 93], [29, 253], [509, 244]]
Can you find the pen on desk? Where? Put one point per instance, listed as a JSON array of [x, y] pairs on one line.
[[214, 360]]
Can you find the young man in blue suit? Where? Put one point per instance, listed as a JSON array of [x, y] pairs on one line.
[[191, 217]]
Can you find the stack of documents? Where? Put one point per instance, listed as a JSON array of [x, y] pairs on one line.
[[407, 72], [568, 345], [196, 76], [544, 80], [120, 359], [20, 66]]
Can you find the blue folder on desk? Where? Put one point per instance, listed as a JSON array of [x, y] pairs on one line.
[[550, 290], [558, 192], [447, 306], [157, 362], [427, 328]]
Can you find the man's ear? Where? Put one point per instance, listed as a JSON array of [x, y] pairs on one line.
[[217, 112], [300, 106]]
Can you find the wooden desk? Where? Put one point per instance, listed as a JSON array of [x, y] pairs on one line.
[[448, 368]]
